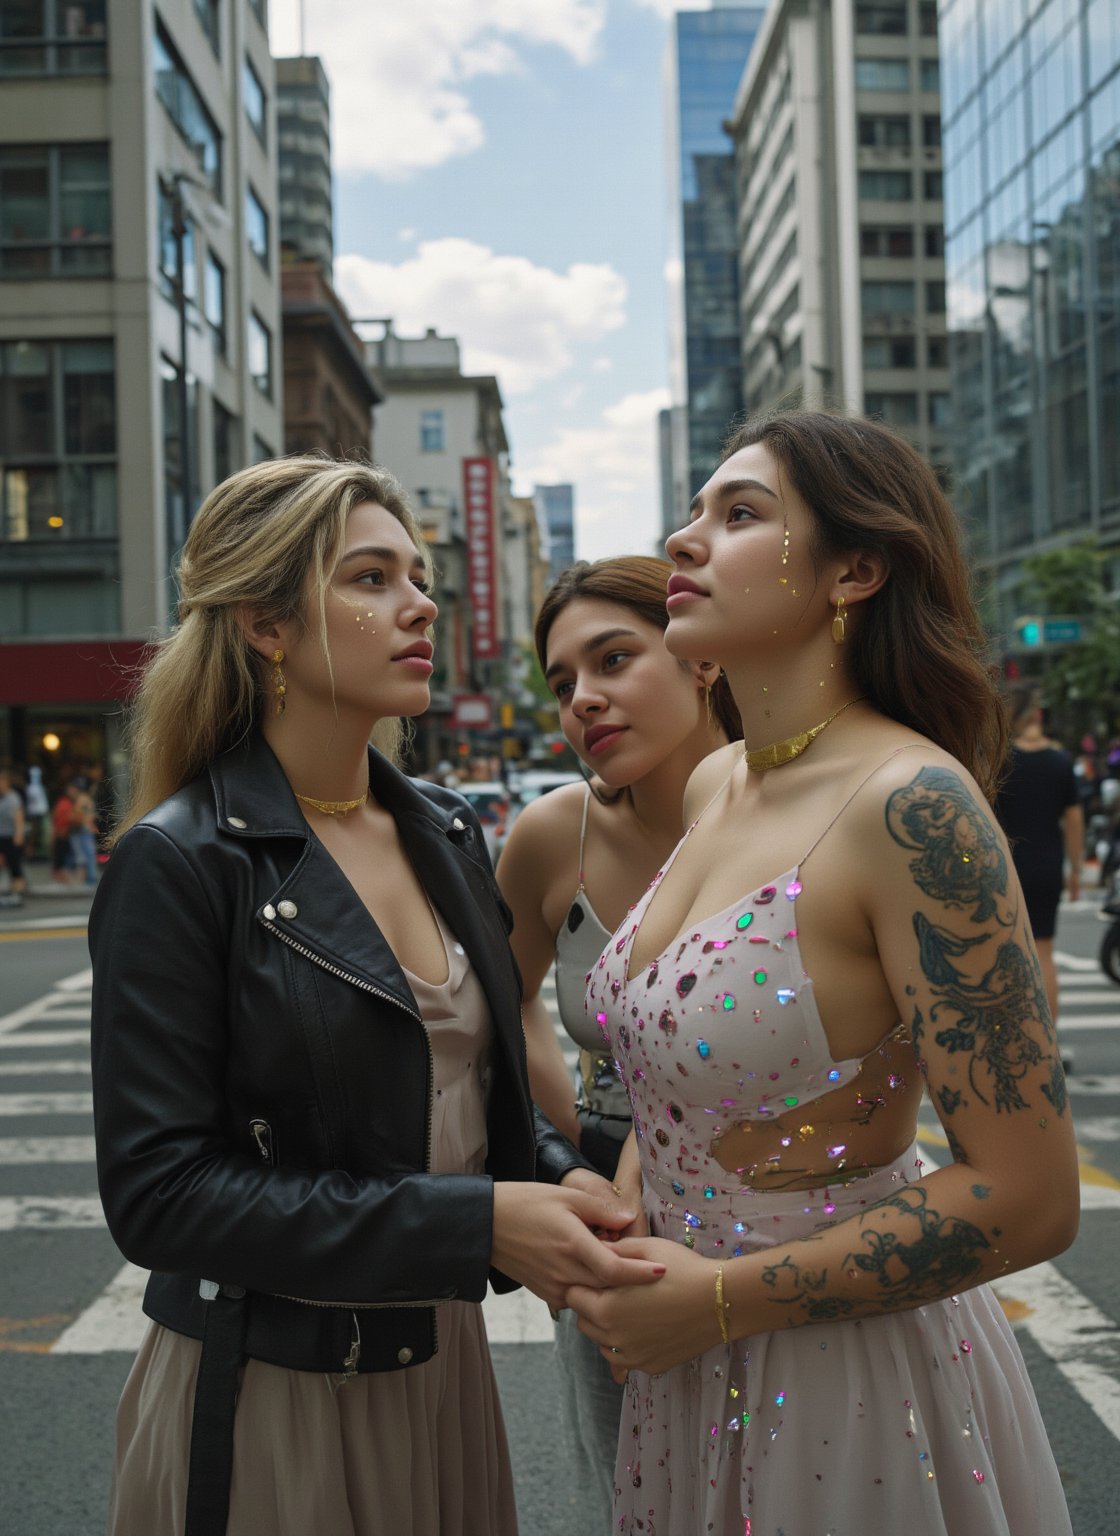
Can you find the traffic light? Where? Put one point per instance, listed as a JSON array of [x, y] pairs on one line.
[[1029, 632]]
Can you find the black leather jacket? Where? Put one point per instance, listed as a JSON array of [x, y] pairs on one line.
[[262, 1080]]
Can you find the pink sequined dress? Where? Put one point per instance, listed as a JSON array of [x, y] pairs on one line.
[[921, 1421]]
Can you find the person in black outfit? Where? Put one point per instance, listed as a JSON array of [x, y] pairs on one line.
[[1039, 809]]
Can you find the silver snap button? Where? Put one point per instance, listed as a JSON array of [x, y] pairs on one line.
[[404, 1355], [458, 825], [288, 909], [235, 821], [459, 950], [269, 912]]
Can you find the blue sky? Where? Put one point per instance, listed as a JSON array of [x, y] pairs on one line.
[[500, 175]]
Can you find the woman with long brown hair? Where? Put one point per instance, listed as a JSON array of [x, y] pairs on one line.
[[577, 858], [840, 927], [313, 1119]]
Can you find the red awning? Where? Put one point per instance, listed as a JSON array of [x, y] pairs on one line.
[[71, 671]]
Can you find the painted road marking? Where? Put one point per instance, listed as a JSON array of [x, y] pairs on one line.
[[1073, 999], [1083, 979], [1074, 962], [1081, 1340], [54, 1212], [39, 1038], [12, 1104], [42, 1006], [20, 1150], [1069, 1025], [1092, 1083], [35, 1068]]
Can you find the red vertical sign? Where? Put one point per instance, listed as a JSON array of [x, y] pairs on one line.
[[482, 584]]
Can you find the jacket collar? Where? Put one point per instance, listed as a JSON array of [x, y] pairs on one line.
[[254, 799]]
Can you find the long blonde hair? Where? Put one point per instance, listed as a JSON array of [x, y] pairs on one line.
[[254, 542]]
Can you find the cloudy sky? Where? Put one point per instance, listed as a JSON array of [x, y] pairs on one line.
[[500, 175]]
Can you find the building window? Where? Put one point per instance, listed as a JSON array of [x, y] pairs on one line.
[[930, 78], [52, 37], [209, 19], [169, 274], [260, 354], [931, 130], [886, 186], [179, 499], [876, 240], [883, 74], [889, 352], [940, 410], [187, 111], [937, 352], [215, 302], [256, 227], [935, 298], [883, 19], [927, 18], [256, 102], [888, 298], [935, 239], [884, 132], [225, 428], [431, 431], [932, 186], [897, 410], [58, 440], [55, 218]]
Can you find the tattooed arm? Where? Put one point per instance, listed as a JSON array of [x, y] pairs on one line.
[[947, 916]]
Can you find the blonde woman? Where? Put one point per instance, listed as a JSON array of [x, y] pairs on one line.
[[313, 1121]]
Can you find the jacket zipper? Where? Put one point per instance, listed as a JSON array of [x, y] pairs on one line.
[[261, 1132], [350, 1364]]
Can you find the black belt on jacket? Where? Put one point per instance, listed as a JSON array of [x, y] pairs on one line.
[[215, 1404]]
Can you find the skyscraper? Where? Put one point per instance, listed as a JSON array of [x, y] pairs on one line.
[[1031, 108], [706, 56], [556, 514]]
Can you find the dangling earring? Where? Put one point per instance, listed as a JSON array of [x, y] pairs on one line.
[[708, 693], [278, 683], [839, 622]]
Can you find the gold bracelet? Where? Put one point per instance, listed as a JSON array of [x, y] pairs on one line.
[[722, 1307]]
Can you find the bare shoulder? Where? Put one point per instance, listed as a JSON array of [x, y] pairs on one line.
[[707, 777], [546, 830]]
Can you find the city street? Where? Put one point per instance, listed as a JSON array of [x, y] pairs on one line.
[[69, 1307]]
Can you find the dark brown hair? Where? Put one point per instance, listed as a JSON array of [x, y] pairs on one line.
[[918, 647], [636, 582]]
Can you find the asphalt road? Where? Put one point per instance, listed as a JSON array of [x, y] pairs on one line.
[[68, 1305]]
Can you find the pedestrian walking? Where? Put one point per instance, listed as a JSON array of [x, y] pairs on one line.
[[312, 1115], [83, 834], [38, 807], [62, 825], [578, 858], [840, 927], [13, 837], [1040, 808]]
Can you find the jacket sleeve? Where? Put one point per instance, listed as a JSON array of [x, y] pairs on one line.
[[178, 1196]]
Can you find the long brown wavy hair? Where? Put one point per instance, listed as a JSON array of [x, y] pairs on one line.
[[636, 582], [257, 538], [919, 651]]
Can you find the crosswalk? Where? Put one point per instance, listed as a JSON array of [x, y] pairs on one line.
[[45, 1087]]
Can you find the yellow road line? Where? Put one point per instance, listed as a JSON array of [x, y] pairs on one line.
[[43, 933]]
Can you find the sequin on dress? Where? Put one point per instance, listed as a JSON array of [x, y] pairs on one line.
[[923, 1421]]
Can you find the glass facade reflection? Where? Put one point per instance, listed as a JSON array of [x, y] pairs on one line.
[[708, 55], [1031, 128]]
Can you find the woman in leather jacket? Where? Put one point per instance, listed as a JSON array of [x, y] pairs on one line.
[[312, 1113]]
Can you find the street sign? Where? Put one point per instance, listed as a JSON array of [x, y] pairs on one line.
[[1039, 634], [1062, 631], [471, 712]]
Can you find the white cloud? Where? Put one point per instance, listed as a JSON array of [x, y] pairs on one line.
[[602, 365], [513, 318], [614, 465], [668, 7], [572, 397], [398, 72], [407, 234]]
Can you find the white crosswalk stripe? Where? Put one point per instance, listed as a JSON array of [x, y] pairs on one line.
[[30, 1045]]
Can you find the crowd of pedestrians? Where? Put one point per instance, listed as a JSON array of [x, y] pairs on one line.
[[65, 824]]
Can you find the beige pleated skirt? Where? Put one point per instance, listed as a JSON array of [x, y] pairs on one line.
[[419, 1452]]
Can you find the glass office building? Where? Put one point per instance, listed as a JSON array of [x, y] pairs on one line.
[[708, 53], [1031, 112]]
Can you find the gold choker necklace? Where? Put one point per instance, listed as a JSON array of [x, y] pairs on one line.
[[334, 807], [782, 752]]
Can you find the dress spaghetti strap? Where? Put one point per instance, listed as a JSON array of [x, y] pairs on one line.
[[583, 834], [910, 746]]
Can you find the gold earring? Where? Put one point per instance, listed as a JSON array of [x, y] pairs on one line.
[[278, 683], [839, 622]]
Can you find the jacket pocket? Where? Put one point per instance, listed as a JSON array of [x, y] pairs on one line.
[[264, 1141]]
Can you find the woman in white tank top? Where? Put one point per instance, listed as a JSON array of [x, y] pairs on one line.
[[579, 857]]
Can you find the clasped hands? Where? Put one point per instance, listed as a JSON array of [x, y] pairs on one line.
[[646, 1302]]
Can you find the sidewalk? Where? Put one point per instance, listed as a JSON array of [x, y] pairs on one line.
[[45, 904]]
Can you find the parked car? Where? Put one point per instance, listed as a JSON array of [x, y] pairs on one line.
[[490, 800], [538, 781]]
